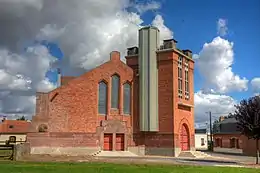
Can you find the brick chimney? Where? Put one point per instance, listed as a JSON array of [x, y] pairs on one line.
[[170, 44], [115, 56], [132, 51], [59, 77], [188, 52], [221, 118]]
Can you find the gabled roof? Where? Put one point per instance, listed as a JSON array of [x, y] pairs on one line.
[[114, 58], [66, 79], [200, 131], [14, 126], [228, 120]]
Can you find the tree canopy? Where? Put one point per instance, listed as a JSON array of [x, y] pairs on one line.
[[22, 118], [247, 114]]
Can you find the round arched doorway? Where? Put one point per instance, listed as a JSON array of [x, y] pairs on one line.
[[184, 138]]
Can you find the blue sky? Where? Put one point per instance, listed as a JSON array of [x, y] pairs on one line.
[[194, 23]]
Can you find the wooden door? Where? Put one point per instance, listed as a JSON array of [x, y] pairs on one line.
[[184, 138], [108, 142], [120, 142]]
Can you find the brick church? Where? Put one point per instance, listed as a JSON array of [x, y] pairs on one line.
[[145, 106]]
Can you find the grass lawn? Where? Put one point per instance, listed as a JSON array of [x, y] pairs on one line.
[[5, 154], [24, 167]]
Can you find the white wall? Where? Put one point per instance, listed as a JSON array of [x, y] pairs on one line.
[[19, 137], [198, 139]]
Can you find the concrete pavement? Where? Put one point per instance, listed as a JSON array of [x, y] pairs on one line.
[[212, 159], [172, 161], [235, 157]]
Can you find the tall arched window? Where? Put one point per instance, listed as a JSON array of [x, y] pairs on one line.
[[127, 98], [115, 92], [102, 98]]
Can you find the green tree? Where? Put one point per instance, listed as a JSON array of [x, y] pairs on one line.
[[22, 118], [247, 114]]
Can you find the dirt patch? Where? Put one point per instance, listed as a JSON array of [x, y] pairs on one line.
[[117, 160], [56, 158]]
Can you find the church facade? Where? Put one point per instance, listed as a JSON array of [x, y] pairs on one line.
[[145, 106]]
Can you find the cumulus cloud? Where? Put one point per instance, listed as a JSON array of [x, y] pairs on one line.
[[148, 6], [85, 30], [215, 62], [222, 28], [21, 75], [255, 83], [217, 104], [165, 32]]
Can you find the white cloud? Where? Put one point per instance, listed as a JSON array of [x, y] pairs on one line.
[[222, 27], [217, 104], [86, 31], [215, 62], [165, 32], [255, 83], [21, 3], [21, 75], [152, 5]]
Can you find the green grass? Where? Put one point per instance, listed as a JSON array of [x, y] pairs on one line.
[[5, 154], [25, 167]]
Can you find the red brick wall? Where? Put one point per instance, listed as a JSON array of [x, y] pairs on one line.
[[184, 114], [164, 138], [41, 114], [151, 139], [41, 104], [165, 82], [179, 114], [249, 146], [66, 79], [133, 63], [170, 116], [225, 138], [63, 139], [73, 107]]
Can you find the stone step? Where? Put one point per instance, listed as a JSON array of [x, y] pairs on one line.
[[200, 154], [186, 154], [193, 154], [114, 154]]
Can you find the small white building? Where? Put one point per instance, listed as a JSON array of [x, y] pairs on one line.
[[13, 130], [201, 139]]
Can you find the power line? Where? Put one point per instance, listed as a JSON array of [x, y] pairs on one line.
[[220, 113]]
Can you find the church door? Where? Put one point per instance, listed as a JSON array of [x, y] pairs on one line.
[[184, 138]]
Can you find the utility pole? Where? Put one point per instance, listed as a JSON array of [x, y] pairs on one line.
[[211, 133]]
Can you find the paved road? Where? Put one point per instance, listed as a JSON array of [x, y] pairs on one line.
[[234, 157], [173, 160]]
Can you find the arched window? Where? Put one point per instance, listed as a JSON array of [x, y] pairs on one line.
[[102, 98], [127, 98], [115, 92], [42, 128]]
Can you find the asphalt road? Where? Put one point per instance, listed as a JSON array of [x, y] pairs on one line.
[[234, 157], [173, 160]]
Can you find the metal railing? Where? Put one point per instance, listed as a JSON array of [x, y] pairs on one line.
[[7, 149]]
